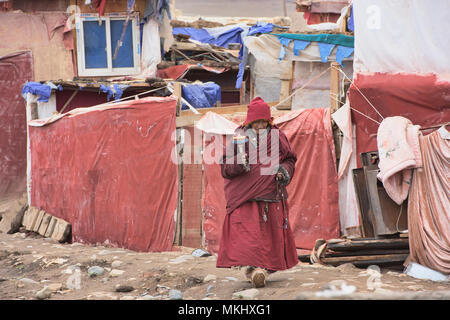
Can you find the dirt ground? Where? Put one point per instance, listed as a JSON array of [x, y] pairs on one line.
[[29, 262]]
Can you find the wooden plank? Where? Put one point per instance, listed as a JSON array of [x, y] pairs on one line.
[[334, 86], [187, 118], [395, 257], [286, 88], [188, 46], [370, 244], [389, 259], [359, 182], [366, 252], [177, 92]]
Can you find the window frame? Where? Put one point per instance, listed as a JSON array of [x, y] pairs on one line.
[[109, 70]]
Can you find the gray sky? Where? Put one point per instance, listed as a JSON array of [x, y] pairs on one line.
[[234, 8]]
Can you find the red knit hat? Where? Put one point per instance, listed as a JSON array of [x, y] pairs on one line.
[[258, 110]]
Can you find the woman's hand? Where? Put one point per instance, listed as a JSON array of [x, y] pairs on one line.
[[279, 175]]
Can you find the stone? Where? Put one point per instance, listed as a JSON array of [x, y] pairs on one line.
[[307, 284], [38, 221], [147, 297], [54, 287], [200, 253], [95, 271], [124, 288], [116, 273], [231, 278], [415, 288], [58, 261], [181, 259], [249, 294], [29, 281], [175, 295], [29, 216], [116, 264], [192, 281], [346, 267], [102, 296], [44, 224], [210, 277], [12, 216], [50, 227], [61, 230], [128, 298], [43, 294]]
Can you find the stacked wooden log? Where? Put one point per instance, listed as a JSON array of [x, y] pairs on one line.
[[360, 252]]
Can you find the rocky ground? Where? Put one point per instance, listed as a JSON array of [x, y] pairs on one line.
[[33, 267]]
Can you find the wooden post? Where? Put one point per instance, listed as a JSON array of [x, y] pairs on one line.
[[334, 87], [286, 88], [177, 91]]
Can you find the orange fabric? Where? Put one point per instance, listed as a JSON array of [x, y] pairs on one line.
[[429, 206]]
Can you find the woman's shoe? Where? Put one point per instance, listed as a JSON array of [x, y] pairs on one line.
[[259, 277]]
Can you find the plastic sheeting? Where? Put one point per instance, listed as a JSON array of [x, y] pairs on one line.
[[428, 206], [15, 70], [349, 212], [98, 168], [313, 191], [203, 95], [271, 46], [39, 33], [401, 36], [231, 35], [423, 99], [401, 65]]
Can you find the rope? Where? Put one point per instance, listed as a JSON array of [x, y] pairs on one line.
[[359, 92], [130, 97], [331, 95], [296, 90]]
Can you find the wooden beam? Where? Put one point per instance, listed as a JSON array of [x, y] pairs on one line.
[[187, 118], [334, 86], [360, 260], [286, 88], [402, 243], [177, 92], [69, 100]]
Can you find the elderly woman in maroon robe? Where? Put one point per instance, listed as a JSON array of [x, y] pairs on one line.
[[256, 232]]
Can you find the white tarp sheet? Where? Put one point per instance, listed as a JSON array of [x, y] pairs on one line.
[[269, 45], [409, 36]]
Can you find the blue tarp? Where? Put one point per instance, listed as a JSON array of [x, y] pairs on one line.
[[234, 35], [42, 90], [202, 35], [350, 24], [326, 43], [116, 90], [203, 95], [155, 8]]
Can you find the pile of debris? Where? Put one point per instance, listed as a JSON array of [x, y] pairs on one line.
[[359, 252], [46, 225], [187, 51]]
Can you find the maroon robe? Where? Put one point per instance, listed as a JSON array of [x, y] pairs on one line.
[[256, 231]]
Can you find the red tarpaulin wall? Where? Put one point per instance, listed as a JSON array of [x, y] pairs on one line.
[[15, 70], [422, 99], [108, 171], [313, 192]]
